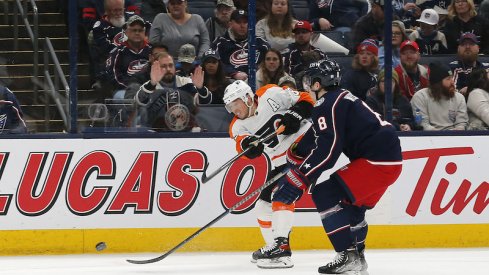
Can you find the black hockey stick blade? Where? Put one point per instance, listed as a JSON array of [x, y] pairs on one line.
[[234, 207], [205, 178]]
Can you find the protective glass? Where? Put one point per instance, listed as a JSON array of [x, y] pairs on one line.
[[306, 83]]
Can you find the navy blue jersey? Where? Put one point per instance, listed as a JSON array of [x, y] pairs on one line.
[[342, 123], [11, 117]]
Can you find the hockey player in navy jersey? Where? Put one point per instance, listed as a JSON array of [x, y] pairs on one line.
[[342, 123], [260, 114]]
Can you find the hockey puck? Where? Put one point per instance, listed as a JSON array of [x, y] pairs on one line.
[[100, 246]]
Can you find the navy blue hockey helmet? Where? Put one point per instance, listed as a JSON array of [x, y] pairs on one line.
[[326, 71]]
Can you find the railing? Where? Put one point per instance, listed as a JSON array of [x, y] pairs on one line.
[[33, 33], [52, 88]]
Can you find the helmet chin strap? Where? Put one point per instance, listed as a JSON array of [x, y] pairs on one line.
[[250, 106]]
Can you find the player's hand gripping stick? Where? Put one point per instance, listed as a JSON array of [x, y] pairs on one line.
[[206, 178]]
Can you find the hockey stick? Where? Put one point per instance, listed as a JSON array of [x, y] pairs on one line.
[[206, 178], [234, 207]]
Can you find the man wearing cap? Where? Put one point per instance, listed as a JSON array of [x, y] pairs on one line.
[[218, 24], [363, 74], [293, 60], [429, 39], [186, 60], [107, 34], [412, 76], [440, 106], [467, 60], [232, 47], [130, 57]]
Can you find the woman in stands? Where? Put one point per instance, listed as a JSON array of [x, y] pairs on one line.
[[402, 113], [271, 69], [478, 100], [214, 76], [364, 68], [276, 27], [463, 18], [398, 35], [178, 27]]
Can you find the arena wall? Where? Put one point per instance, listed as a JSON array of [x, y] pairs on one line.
[[65, 195]]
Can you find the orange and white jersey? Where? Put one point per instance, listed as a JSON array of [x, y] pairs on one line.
[[273, 102]]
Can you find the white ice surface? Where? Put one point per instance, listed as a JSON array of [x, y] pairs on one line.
[[381, 262]]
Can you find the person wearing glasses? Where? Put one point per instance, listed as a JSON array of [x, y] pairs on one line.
[[398, 36]]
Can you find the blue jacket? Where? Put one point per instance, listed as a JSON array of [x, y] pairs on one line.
[[11, 117], [342, 123], [340, 13]]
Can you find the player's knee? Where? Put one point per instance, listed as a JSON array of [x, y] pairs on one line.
[[325, 195], [263, 210]]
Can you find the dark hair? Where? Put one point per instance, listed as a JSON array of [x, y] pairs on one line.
[[477, 79], [269, 77], [158, 45]]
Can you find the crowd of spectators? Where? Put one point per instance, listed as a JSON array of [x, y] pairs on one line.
[[141, 46]]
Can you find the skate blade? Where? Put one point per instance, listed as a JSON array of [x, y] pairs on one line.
[[282, 262], [253, 261], [361, 272]]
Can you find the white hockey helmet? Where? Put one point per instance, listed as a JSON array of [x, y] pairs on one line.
[[237, 90]]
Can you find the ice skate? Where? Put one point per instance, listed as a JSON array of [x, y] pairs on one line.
[[346, 262], [274, 256]]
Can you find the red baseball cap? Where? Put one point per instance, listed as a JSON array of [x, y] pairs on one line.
[[305, 25], [409, 43]]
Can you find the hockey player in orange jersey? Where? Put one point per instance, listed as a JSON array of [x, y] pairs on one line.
[[258, 115]]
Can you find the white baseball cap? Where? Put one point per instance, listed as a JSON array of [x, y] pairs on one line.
[[429, 16]]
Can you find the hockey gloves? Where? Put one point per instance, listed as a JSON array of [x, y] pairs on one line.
[[293, 159], [291, 187], [255, 150], [293, 117]]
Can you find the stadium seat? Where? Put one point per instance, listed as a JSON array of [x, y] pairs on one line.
[[300, 13], [202, 8], [343, 60]]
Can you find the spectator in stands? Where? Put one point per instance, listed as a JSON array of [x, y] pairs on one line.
[[186, 60], [429, 39], [370, 25], [214, 76], [398, 36], [336, 15], [478, 100], [165, 89], [363, 74], [293, 55], [218, 24], [276, 27], [151, 8], [412, 75], [11, 116], [406, 11], [271, 69], [144, 74], [402, 114], [262, 7], [130, 57], [467, 60], [95, 10], [232, 47], [178, 27], [440, 106], [463, 18]]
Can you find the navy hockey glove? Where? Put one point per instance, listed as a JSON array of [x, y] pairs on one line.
[[293, 117], [291, 187], [254, 151]]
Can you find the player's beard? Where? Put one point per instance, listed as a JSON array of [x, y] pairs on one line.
[[117, 21]]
